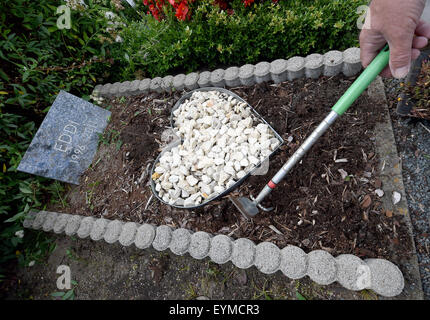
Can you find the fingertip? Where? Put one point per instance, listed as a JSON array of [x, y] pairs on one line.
[[419, 42], [423, 29], [386, 73], [415, 54]]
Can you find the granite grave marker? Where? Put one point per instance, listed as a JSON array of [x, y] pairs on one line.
[[66, 142]]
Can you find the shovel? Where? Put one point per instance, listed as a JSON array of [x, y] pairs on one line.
[[249, 207]]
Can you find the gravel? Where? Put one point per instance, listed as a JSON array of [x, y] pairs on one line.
[[413, 143]]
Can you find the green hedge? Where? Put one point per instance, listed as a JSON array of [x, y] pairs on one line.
[[36, 61], [261, 32]]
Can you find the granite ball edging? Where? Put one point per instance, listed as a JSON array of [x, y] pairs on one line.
[[29, 219], [144, 86], [39, 220], [128, 233], [243, 255], [163, 237], [379, 275], [61, 222], [294, 262], [73, 225], [221, 249], [179, 82], [267, 257], [231, 77], [262, 72], [352, 272], [191, 80], [145, 235], [85, 227], [296, 68], [181, 240], [167, 84], [217, 78], [204, 79], [351, 61], [322, 267], [246, 75], [199, 245], [278, 70], [113, 231], [156, 85], [98, 229], [333, 63], [49, 223], [312, 66]]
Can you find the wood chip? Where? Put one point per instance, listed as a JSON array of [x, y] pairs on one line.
[[378, 183], [343, 173], [341, 160], [275, 230], [366, 202]]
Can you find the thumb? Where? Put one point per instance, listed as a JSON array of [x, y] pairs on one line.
[[400, 55]]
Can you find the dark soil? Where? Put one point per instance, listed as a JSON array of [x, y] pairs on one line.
[[315, 208], [420, 92]]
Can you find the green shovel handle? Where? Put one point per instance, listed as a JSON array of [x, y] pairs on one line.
[[362, 82]]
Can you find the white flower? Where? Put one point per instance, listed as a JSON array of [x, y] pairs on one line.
[[20, 234], [76, 4], [118, 39], [31, 263], [109, 15]]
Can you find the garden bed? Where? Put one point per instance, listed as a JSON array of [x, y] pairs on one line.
[[414, 100], [316, 206]]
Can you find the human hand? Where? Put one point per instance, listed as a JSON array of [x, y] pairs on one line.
[[396, 22]]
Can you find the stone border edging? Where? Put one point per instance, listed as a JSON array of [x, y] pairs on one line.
[[353, 273], [312, 66]]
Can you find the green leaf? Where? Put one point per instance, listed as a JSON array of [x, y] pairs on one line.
[[57, 294], [25, 190], [69, 295], [4, 75], [299, 296], [15, 217]]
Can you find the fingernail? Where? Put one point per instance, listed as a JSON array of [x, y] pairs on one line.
[[401, 72]]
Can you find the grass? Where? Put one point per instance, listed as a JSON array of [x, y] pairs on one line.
[[420, 93], [190, 292]]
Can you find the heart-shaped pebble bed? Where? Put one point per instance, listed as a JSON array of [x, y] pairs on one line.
[[223, 140]]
